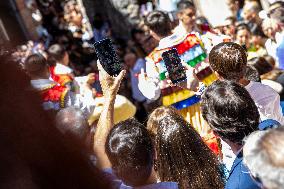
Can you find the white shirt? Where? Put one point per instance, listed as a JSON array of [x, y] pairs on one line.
[[136, 93], [267, 101], [271, 46], [62, 69]]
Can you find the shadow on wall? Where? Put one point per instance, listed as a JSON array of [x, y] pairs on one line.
[[122, 15]]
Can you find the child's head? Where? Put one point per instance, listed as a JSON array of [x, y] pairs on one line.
[[228, 60]]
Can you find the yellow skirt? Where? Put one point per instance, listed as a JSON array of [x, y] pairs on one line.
[[192, 114]]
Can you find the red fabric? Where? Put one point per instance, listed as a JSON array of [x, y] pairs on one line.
[[190, 41], [212, 142], [54, 94]]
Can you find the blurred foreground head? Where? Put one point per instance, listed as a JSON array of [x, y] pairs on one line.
[[264, 156], [34, 154]]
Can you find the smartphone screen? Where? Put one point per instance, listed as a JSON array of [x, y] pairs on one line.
[[108, 57], [174, 66]]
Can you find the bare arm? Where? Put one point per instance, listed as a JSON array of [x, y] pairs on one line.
[[110, 86]]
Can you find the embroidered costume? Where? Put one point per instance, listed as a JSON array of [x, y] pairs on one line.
[[191, 51]]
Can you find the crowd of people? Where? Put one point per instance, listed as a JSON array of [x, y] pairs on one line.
[[70, 124]]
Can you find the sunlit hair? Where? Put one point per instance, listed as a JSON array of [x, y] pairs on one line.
[[182, 156], [131, 152], [264, 156], [229, 60]]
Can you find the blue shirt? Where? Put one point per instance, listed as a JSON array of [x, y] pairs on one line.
[[280, 54], [118, 184], [239, 177]]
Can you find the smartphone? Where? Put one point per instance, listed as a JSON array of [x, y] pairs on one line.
[[174, 66], [108, 57]]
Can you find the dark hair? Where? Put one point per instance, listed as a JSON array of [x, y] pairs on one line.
[[185, 4], [182, 156], [252, 74], [262, 66], [201, 20], [256, 30], [131, 152], [135, 31], [72, 121], [242, 26], [229, 110], [228, 60], [33, 152], [240, 2], [35, 65], [232, 19], [56, 53], [159, 22]]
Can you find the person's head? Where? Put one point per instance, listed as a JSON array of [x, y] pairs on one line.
[[229, 27], [243, 35], [230, 111], [270, 60], [71, 121], [270, 27], [130, 150], [137, 35], [57, 54], [159, 24], [228, 60], [182, 156], [276, 11], [251, 10], [257, 36], [234, 5], [36, 66], [262, 66], [264, 156], [186, 13], [252, 74], [130, 59]]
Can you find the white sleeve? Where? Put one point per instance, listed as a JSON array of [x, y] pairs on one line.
[[149, 86], [278, 109], [85, 103], [270, 107]]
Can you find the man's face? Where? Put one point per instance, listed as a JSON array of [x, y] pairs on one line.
[[243, 37], [187, 17], [248, 14], [229, 30]]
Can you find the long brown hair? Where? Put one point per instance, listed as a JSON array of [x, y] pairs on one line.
[[182, 156]]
